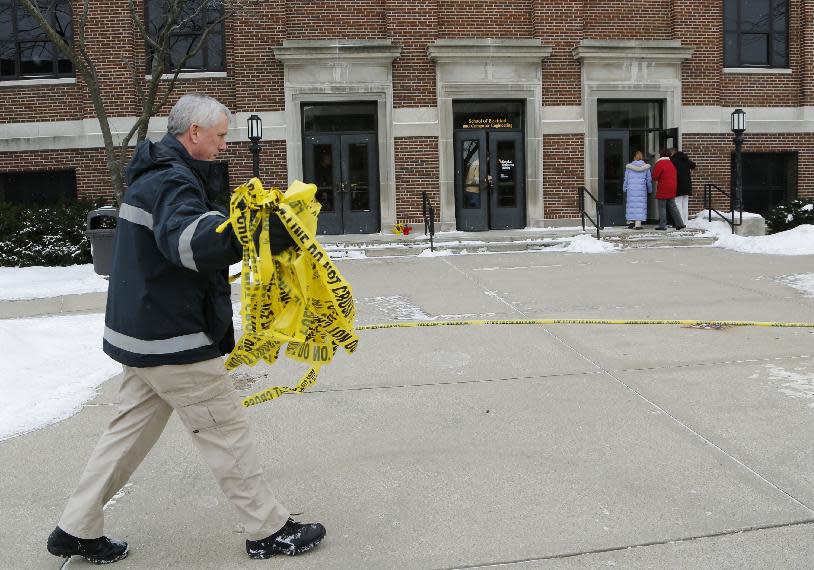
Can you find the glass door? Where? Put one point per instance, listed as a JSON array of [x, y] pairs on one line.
[[613, 155], [471, 195], [506, 181]]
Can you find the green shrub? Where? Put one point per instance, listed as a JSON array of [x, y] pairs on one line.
[[50, 236], [790, 215]]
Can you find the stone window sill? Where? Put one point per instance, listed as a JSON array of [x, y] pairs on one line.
[[39, 82]]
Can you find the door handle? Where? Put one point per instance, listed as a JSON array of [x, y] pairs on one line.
[[489, 183]]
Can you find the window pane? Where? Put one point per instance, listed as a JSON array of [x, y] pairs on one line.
[[780, 55], [27, 27], [6, 28], [754, 49], [755, 16], [62, 19], [731, 15], [338, 117], [731, 50], [7, 58], [64, 65], [506, 166], [780, 16], [358, 177], [324, 176], [36, 58], [214, 47], [471, 172], [180, 46]]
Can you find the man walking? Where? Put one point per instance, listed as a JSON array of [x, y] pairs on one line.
[[169, 322]]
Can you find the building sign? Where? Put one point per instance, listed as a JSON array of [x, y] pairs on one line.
[[480, 122]]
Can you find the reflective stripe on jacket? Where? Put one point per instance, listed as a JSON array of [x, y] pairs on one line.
[[168, 298]]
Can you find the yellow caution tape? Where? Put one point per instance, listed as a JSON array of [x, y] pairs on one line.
[[584, 322], [297, 297]]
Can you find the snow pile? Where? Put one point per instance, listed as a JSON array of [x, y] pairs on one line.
[[50, 367], [436, 253], [796, 241], [585, 243], [40, 282]]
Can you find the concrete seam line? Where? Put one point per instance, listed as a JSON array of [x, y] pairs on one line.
[[730, 532]]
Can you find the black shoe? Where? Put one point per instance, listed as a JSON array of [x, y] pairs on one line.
[[637, 227], [294, 538], [680, 227], [659, 228], [100, 550], [631, 225]]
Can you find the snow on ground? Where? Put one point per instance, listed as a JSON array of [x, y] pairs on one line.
[[40, 282], [796, 241], [803, 283], [584, 244], [50, 367]]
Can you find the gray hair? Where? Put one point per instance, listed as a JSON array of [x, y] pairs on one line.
[[195, 108]]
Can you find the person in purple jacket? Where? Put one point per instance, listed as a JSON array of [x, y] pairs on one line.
[[636, 187]]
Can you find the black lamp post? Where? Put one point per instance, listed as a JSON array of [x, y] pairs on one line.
[[255, 134], [738, 127]]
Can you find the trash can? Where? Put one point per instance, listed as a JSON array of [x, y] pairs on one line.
[[100, 231]]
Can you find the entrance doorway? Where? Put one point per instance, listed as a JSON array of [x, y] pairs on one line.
[[626, 126], [490, 179], [340, 156]]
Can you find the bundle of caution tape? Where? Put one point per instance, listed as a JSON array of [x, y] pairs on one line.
[[296, 298]]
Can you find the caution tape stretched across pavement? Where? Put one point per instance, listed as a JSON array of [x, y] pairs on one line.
[[584, 322], [297, 297]]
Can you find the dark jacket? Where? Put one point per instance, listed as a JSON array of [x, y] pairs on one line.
[[169, 299], [683, 166]]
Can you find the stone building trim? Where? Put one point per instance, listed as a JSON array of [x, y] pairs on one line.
[[487, 68], [341, 70], [627, 69]]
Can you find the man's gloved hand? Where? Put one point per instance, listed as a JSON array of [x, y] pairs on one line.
[[279, 237]]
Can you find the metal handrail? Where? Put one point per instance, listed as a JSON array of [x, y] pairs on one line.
[[598, 222], [708, 188], [428, 211]]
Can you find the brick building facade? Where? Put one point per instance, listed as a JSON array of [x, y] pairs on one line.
[[498, 110]]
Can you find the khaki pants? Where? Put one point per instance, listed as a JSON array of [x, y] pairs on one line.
[[210, 409]]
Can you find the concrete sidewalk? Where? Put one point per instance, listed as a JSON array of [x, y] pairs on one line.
[[520, 446], [384, 245]]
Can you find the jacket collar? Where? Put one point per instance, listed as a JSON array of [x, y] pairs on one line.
[[201, 167]]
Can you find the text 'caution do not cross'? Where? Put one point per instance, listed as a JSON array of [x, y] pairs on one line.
[[296, 298]]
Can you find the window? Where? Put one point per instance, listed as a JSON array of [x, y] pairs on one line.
[[195, 17], [25, 51], [756, 33], [769, 179], [43, 188]]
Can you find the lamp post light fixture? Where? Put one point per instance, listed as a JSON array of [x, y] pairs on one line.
[[255, 124], [738, 128]]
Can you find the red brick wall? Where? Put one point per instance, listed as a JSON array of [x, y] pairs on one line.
[[328, 19], [701, 74], [485, 19], [273, 170], [563, 174], [807, 53], [603, 19], [258, 75], [92, 178], [413, 26], [713, 154], [770, 90], [559, 24], [416, 161]]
